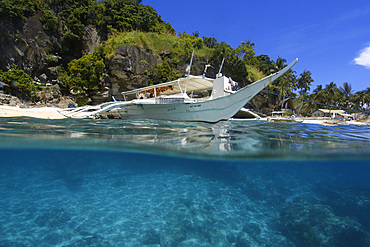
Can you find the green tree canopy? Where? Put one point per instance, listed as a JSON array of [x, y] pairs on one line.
[[304, 82], [84, 75], [286, 84], [19, 79], [246, 51], [163, 73], [17, 9], [128, 15]]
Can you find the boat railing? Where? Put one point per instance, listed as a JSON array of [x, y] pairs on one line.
[[154, 90], [169, 100]]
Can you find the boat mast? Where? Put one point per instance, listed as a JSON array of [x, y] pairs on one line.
[[219, 72], [207, 63], [205, 69], [188, 70], [209, 48]]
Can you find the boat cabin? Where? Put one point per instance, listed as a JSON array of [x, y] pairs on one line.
[[334, 114], [182, 88]]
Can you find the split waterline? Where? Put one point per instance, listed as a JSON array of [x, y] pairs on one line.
[[73, 182]]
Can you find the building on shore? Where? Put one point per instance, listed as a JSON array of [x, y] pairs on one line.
[[333, 114]]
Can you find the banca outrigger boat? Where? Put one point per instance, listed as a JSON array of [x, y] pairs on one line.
[[170, 101]]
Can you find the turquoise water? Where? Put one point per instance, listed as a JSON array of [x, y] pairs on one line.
[[160, 183]]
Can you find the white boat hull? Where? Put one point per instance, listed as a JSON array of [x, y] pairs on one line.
[[221, 106], [214, 110], [208, 111], [202, 111]]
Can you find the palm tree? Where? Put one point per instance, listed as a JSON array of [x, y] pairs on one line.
[[346, 92], [285, 84], [304, 82], [346, 89], [332, 93], [246, 51], [303, 85], [356, 100], [362, 99], [279, 64], [319, 94], [367, 98], [310, 106]]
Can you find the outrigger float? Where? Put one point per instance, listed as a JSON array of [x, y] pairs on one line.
[[170, 101]]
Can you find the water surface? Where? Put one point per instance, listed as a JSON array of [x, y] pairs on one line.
[[160, 183]]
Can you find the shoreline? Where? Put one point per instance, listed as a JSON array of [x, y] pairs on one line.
[[34, 112], [52, 113], [331, 122]]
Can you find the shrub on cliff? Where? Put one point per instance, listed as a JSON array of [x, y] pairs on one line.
[[49, 19], [19, 79], [128, 15], [83, 76], [163, 73], [17, 9]]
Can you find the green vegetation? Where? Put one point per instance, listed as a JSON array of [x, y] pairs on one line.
[[254, 74], [163, 73], [128, 22], [333, 95], [72, 17], [158, 43], [83, 76], [17, 9], [238, 61], [49, 19], [19, 79]]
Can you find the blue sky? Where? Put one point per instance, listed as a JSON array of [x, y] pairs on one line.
[[330, 38]]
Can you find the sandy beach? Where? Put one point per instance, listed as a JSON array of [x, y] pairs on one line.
[[52, 113], [37, 112]]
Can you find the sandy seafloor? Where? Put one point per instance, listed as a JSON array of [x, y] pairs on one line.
[[62, 197], [68, 182]]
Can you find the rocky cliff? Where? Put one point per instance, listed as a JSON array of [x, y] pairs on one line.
[[128, 68], [39, 52]]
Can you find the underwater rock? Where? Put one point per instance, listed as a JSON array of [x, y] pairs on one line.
[[15, 244], [249, 234], [171, 237], [53, 218], [231, 238], [252, 229], [119, 182], [193, 243], [244, 240], [253, 235], [254, 191], [353, 202], [91, 241], [53, 238], [73, 183], [316, 225], [151, 237]]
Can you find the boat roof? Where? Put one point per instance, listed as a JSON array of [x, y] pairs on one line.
[[346, 115], [331, 111], [195, 83]]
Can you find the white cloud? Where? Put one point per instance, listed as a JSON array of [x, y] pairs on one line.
[[363, 58]]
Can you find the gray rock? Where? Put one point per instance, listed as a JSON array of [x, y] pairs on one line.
[[308, 224]]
